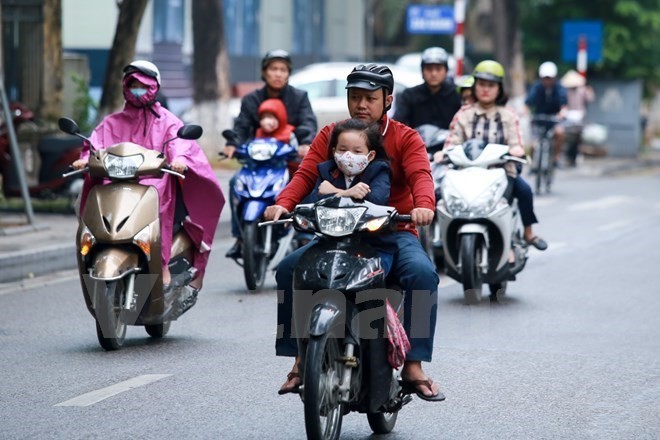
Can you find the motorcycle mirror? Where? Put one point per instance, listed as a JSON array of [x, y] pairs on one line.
[[190, 132], [68, 126]]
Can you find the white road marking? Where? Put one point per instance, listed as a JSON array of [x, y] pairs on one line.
[[96, 396], [613, 225], [602, 203]]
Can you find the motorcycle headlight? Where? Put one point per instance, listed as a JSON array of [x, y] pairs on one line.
[[338, 222], [455, 204], [260, 151], [483, 205], [122, 167]]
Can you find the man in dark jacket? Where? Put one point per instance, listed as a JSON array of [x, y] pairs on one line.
[[275, 71], [436, 100]]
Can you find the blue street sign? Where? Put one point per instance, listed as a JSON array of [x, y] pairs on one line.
[[573, 30], [423, 19]]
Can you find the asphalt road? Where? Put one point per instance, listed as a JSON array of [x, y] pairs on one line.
[[572, 353]]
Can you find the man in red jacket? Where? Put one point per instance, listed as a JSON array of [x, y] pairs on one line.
[[370, 90]]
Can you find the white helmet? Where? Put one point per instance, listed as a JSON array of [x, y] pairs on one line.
[[143, 66], [548, 70]]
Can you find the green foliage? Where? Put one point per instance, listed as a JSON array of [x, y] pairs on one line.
[[83, 105], [630, 37]]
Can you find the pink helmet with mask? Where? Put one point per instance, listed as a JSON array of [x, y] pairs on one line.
[[146, 73]]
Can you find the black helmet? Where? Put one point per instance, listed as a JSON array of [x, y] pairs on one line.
[[371, 77], [276, 54], [435, 55]]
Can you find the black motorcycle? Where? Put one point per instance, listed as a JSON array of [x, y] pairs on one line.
[[340, 320]]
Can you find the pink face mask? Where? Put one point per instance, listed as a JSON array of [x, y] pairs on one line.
[[351, 164]]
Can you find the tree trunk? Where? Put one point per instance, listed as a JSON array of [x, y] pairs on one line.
[[505, 27], [211, 86], [121, 53], [53, 79], [210, 61]]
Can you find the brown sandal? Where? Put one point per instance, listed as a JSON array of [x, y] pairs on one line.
[[412, 387], [295, 388]]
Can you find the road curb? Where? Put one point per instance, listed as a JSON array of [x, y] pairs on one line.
[[27, 263], [18, 265]]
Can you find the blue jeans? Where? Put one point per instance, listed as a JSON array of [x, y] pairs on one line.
[[523, 192], [416, 275], [235, 227]]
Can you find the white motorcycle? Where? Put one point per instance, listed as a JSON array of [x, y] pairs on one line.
[[480, 229]]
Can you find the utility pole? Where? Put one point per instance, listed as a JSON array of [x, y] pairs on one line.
[[13, 142]]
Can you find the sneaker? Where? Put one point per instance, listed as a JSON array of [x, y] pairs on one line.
[[236, 251]]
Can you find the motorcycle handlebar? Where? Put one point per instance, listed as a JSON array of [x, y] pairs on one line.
[[284, 218], [168, 170], [75, 172], [403, 218]]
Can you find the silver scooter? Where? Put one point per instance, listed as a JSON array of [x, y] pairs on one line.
[[480, 229]]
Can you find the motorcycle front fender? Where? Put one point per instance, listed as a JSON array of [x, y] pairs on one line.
[[253, 209], [322, 319], [113, 263], [475, 228]]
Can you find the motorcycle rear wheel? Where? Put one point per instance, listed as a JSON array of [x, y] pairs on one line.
[[470, 270], [382, 423], [254, 260], [110, 327], [323, 411]]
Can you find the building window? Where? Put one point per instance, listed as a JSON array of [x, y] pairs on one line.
[[242, 28], [168, 21], [308, 28]]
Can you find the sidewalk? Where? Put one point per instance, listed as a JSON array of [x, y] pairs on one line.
[[27, 251], [49, 245]]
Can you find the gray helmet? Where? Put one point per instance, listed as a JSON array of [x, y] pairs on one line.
[[371, 77], [435, 55]]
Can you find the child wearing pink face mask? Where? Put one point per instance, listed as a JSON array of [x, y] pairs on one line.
[[361, 170]]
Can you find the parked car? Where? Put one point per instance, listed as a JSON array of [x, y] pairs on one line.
[[325, 85]]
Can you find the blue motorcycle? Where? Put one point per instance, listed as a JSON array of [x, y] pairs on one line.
[[263, 175]]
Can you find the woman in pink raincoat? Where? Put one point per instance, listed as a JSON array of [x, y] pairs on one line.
[[145, 122]]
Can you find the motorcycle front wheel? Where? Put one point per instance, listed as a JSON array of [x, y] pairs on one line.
[[110, 326], [382, 423], [323, 410], [254, 259], [158, 330], [471, 254]]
